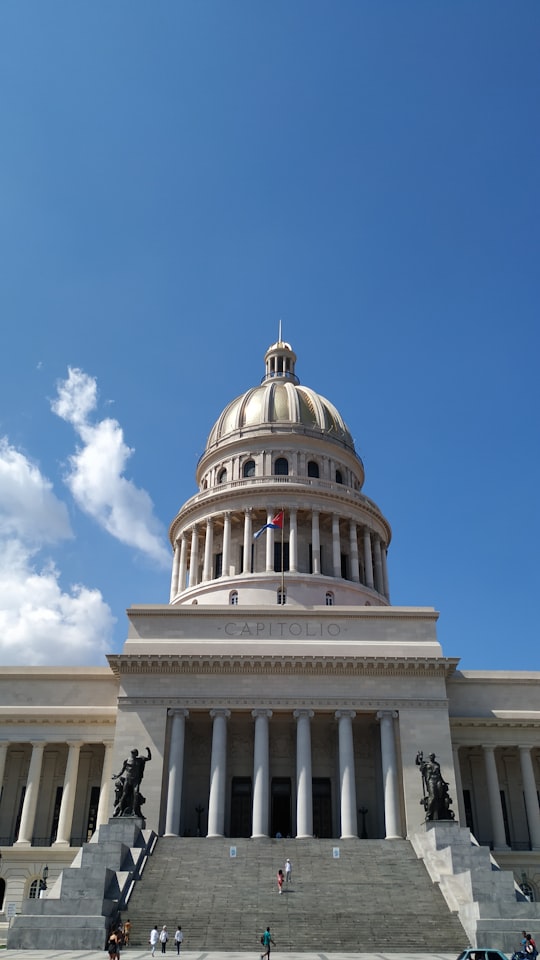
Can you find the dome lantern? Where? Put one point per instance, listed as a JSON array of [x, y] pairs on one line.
[[280, 360]]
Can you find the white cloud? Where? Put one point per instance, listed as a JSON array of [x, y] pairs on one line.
[[28, 507], [96, 472], [39, 622]]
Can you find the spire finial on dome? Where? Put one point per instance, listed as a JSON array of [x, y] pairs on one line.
[[279, 332]]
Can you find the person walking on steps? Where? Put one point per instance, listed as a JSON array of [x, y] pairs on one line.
[[163, 937], [178, 938], [154, 939], [280, 879], [288, 871], [266, 940]]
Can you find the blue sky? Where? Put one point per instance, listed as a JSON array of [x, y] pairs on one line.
[[178, 176]]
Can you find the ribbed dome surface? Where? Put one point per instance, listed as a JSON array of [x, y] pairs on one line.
[[280, 404]]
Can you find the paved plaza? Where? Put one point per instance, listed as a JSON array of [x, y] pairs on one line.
[[138, 954]]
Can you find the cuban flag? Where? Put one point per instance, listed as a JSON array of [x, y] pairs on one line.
[[277, 524]]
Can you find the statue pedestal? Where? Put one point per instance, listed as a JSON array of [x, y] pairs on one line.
[[87, 897]]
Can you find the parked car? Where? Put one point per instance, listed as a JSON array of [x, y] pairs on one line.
[[482, 953]]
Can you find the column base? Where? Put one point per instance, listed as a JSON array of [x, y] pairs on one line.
[[61, 843]]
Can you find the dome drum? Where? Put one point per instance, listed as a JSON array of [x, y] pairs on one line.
[[310, 543]]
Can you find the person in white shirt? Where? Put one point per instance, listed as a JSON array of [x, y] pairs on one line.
[[154, 937], [178, 937], [288, 871]]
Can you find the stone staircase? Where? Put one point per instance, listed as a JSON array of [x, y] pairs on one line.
[[377, 896]]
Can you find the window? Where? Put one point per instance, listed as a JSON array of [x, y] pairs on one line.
[[233, 598], [222, 476], [282, 597], [329, 599], [312, 469], [339, 476], [281, 467], [33, 892], [249, 468]]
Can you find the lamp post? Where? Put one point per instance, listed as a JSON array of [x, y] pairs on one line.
[[43, 880]]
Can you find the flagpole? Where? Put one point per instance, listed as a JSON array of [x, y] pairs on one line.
[[282, 564]]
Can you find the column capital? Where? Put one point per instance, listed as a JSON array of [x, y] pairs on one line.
[[75, 743], [177, 712], [345, 713], [298, 714], [38, 744], [220, 712], [261, 713], [387, 714]]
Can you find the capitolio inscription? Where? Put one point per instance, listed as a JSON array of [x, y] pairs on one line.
[[281, 628]]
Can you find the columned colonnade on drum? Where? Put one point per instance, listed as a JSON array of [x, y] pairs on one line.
[[361, 541]]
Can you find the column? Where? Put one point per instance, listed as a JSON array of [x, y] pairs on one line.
[[65, 817], [293, 541], [194, 558], [175, 572], [355, 566], [248, 541], [208, 550], [349, 822], [386, 587], [176, 768], [218, 763], [3, 756], [269, 544], [531, 797], [304, 789], [368, 562], [28, 814], [336, 546], [390, 774], [260, 824], [460, 809], [378, 565], [494, 798], [103, 810], [183, 565], [315, 543], [226, 567]]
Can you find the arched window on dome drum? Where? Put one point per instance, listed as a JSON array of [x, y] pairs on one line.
[[222, 476], [312, 469], [281, 467], [248, 470], [233, 598], [339, 476], [329, 599], [282, 597]]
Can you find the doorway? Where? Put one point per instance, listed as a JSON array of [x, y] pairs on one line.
[[322, 807], [281, 807], [241, 807]]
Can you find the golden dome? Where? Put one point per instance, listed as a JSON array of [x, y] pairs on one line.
[[280, 403]]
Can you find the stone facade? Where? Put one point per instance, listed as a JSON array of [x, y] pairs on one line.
[[279, 690]]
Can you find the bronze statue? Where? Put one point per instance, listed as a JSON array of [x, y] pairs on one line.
[[128, 798], [436, 800]]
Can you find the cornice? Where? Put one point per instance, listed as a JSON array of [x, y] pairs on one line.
[[323, 704], [87, 715], [189, 665], [530, 721], [276, 613], [233, 496]]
